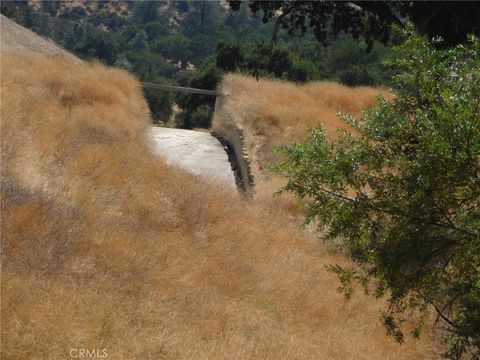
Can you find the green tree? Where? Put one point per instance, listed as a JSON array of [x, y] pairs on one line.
[[160, 104], [130, 31], [347, 61], [404, 193], [51, 7], [356, 75], [175, 48], [74, 14], [148, 65], [109, 19], [280, 62], [302, 70], [156, 29], [201, 117], [122, 62], [196, 105], [182, 6], [145, 11], [139, 42], [228, 56], [100, 45], [75, 36], [200, 14], [200, 48], [42, 24]]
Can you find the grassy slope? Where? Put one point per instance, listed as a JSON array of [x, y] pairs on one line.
[[105, 246], [17, 38], [274, 112]]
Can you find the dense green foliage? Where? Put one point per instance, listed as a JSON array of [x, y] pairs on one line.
[[404, 193], [198, 108], [181, 42], [452, 20]]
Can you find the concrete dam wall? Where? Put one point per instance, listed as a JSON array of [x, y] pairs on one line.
[[219, 155], [195, 151]]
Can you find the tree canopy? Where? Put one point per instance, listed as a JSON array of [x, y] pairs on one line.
[[452, 20]]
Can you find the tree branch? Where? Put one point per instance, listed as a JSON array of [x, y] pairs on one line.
[[278, 23]]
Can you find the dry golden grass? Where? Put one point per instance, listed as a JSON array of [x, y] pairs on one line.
[[105, 246], [274, 112]]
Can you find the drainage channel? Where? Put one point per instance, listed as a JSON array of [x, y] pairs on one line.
[[240, 177]]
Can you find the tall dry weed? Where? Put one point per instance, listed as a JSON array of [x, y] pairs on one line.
[[106, 247]]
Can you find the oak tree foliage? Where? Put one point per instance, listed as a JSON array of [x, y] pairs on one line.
[[404, 192], [453, 20]]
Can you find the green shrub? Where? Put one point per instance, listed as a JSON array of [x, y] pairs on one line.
[[156, 29], [160, 104], [302, 71], [202, 117], [190, 104], [280, 62], [404, 194], [347, 60], [228, 56], [356, 75]]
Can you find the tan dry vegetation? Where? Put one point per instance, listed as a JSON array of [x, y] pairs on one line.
[[119, 7], [17, 38], [105, 246], [274, 112]]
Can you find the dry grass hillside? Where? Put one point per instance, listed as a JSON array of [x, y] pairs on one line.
[[274, 112], [90, 7], [106, 247], [17, 38]]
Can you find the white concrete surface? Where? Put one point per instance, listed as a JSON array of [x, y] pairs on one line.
[[196, 151]]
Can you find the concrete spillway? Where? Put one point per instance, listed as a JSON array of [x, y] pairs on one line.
[[198, 152]]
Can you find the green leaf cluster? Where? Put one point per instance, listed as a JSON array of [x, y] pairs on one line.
[[404, 192]]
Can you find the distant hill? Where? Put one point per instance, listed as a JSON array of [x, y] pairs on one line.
[[59, 8], [16, 38]]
